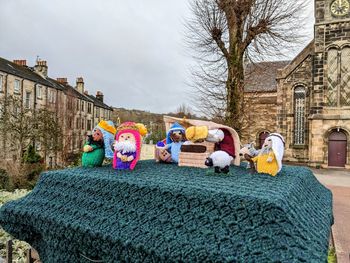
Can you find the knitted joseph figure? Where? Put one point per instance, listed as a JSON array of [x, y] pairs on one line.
[[98, 145], [174, 139], [128, 145], [269, 160]]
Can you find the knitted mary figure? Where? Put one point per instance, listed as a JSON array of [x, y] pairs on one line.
[[128, 145], [270, 157]]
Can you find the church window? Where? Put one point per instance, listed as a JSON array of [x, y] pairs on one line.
[[332, 78], [345, 77], [299, 115], [338, 77]]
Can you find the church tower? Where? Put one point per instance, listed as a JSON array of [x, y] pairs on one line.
[[330, 95]]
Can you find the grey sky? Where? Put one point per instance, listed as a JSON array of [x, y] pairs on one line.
[[133, 51]]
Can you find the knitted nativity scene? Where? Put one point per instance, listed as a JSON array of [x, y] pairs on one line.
[[172, 210]]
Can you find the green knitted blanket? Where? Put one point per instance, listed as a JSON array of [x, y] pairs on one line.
[[166, 213]]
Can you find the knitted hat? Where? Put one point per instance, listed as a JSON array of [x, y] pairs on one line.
[[108, 131], [174, 127], [136, 129]]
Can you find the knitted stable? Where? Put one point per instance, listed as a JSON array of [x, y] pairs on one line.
[[172, 214]]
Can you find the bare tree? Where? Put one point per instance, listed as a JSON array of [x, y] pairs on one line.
[[228, 34], [17, 125]]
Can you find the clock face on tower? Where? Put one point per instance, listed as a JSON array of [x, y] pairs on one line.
[[340, 7]]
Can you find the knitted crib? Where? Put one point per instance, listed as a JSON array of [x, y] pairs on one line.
[[198, 159], [166, 213]]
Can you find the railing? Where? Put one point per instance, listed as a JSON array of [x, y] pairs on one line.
[[9, 253]]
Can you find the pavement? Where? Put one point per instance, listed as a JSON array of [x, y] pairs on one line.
[[338, 181]]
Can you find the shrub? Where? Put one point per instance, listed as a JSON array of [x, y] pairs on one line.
[[5, 181], [31, 156]]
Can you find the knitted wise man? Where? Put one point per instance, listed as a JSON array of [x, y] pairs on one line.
[[128, 145], [98, 145]]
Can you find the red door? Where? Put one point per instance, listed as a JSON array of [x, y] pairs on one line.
[[262, 137], [337, 149]]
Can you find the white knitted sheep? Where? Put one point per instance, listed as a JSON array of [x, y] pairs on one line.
[[220, 160]]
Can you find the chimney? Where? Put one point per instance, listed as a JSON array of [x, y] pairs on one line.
[[86, 92], [41, 68], [99, 96], [20, 62], [62, 81], [80, 85]]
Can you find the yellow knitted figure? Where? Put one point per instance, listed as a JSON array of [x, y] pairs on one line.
[[270, 157], [266, 163]]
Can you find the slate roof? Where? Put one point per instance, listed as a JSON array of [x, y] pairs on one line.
[[99, 103], [28, 73], [25, 72], [261, 77]]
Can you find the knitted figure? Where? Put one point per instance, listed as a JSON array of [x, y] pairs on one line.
[[94, 152], [248, 151], [108, 130], [270, 157], [128, 145], [175, 138], [161, 153]]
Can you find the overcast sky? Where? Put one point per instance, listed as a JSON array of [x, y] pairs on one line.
[[132, 51]]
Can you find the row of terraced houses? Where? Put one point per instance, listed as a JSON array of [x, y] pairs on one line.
[[76, 110]]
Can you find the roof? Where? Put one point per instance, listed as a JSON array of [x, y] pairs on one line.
[[99, 103], [28, 73], [261, 77], [24, 72]]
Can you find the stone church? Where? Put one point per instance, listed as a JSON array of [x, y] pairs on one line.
[[307, 99]]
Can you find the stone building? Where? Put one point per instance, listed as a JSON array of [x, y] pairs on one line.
[[309, 100], [74, 108]]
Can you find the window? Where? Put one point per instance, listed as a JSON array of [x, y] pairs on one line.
[[89, 108], [51, 96], [338, 77], [17, 86], [28, 100], [77, 123], [299, 115], [97, 112], [1, 80], [70, 123], [38, 146], [77, 105], [82, 124], [38, 91], [344, 93], [82, 105], [89, 128]]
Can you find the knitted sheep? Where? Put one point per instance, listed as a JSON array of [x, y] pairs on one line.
[[221, 161]]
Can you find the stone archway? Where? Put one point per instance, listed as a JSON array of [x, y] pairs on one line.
[[337, 148]]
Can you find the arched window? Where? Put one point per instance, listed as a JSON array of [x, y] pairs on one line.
[[299, 115], [338, 77], [332, 77], [345, 77]]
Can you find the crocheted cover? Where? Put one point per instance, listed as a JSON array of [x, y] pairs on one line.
[[162, 212]]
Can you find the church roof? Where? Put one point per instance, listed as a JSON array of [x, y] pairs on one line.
[[261, 77]]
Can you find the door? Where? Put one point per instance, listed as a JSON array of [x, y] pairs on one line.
[[262, 137], [337, 149]]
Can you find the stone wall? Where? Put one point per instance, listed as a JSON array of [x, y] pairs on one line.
[[261, 112]]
